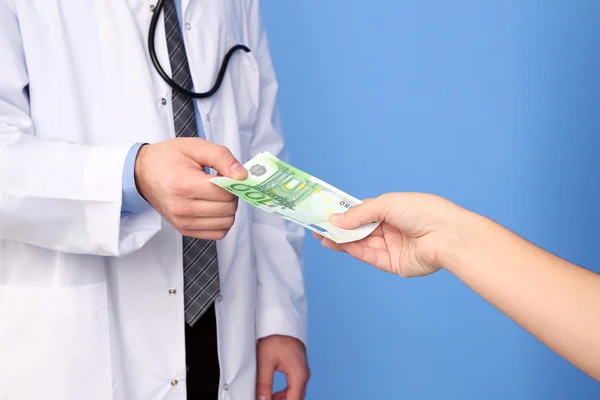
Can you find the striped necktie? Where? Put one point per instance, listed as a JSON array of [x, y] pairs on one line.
[[200, 268]]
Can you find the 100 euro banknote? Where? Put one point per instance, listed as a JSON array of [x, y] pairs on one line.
[[281, 189]]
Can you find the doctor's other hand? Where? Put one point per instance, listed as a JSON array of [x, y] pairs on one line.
[[170, 176], [287, 355], [408, 241]]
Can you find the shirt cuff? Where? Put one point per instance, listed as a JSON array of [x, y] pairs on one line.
[[282, 321], [132, 201]]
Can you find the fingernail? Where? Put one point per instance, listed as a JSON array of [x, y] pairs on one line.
[[262, 398], [238, 169], [337, 217]]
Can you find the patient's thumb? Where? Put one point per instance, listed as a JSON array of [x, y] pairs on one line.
[[365, 213]]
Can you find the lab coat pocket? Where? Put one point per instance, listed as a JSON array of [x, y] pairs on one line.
[[54, 343], [245, 83]]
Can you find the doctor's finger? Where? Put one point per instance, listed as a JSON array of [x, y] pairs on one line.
[[297, 383], [204, 208], [191, 183], [206, 224], [217, 157], [264, 379], [280, 395], [204, 234], [209, 191]]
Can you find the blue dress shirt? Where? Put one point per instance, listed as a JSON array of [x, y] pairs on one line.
[[132, 201]]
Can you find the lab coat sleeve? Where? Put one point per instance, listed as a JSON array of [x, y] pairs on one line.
[[55, 194], [281, 303]]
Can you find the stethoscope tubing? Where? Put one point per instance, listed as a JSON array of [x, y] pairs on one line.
[[152, 50]]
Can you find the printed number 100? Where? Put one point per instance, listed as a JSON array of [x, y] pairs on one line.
[[250, 193]]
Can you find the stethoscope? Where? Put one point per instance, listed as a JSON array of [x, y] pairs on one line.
[[163, 74]]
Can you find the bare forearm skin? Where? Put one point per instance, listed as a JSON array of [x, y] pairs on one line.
[[556, 301]]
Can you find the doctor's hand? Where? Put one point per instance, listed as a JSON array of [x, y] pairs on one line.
[[170, 176], [287, 355], [408, 241]]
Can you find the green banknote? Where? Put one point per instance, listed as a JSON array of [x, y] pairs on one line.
[[278, 188]]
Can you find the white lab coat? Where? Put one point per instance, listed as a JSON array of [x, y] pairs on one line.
[[85, 305]]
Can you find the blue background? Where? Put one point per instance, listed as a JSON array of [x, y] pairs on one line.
[[492, 104]]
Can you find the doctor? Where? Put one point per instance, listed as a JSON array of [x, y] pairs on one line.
[[124, 273]]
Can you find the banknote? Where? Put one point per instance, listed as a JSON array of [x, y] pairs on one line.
[[278, 188]]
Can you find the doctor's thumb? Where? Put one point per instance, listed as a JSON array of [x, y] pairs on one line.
[[370, 211], [216, 157]]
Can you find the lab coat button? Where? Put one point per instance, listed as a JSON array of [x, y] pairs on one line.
[[163, 101], [188, 26], [152, 7], [225, 386], [174, 382], [219, 298], [172, 292], [208, 117]]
